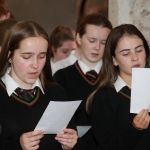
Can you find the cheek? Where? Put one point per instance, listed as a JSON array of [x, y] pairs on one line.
[[42, 64], [20, 65]]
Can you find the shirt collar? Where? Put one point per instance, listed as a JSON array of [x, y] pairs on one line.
[[11, 85], [119, 84], [85, 68]]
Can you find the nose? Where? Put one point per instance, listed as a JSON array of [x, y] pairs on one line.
[[34, 64], [97, 46], [134, 56]]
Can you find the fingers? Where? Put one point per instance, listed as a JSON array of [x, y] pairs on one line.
[[141, 120], [31, 140], [68, 139], [34, 135]]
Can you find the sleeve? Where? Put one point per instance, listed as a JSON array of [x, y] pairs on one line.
[[105, 126], [7, 139]]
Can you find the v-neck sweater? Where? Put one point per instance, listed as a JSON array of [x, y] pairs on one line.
[[16, 117], [112, 122], [78, 87]]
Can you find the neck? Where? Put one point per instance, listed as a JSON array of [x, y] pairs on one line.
[[77, 53], [53, 60], [127, 79]]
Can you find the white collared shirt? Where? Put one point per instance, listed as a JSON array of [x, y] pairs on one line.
[[85, 68], [71, 59], [12, 85], [119, 84]]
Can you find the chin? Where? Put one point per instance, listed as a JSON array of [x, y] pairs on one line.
[[31, 81]]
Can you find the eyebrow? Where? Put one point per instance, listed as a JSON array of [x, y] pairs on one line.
[[129, 49], [33, 53]]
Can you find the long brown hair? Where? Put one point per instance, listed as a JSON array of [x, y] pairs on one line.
[[109, 72], [19, 32]]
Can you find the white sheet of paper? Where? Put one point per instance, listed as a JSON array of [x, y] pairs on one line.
[[140, 93], [57, 116], [82, 130]]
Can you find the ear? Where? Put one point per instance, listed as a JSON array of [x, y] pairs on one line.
[[9, 54], [78, 39], [53, 50], [9, 58], [114, 61], [8, 15]]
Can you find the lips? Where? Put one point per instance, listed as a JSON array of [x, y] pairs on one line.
[[94, 54], [136, 66], [33, 75]]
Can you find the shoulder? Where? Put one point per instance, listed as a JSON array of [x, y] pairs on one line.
[[55, 92], [53, 88], [104, 94], [64, 71], [105, 91]]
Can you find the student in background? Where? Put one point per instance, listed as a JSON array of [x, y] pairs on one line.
[[76, 79], [26, 88], [113, 126], [70, 60], [4, 14], [5, 25], [62, 43]]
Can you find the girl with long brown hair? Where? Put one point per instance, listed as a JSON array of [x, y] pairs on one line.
[[113, 126]]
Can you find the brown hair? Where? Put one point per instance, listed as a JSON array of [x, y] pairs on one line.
[[59, 35], [3, 8], [19, 32], [5, 25], [92, 19], [109, 72]]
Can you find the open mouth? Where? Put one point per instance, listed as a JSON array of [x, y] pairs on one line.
[[136, 66]]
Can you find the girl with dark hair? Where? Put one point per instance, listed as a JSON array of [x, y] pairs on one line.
[[26, 88], [92, 32], [113, 126]]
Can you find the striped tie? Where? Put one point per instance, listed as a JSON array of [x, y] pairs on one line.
[[126, 90], [25, 94], [91, 75]]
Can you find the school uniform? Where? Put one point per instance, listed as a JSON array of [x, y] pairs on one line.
[[112, 121], [79, 87], [18, 116]]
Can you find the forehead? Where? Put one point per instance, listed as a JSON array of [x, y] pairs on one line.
[[90, 28], [68, 43], [129, 41], [33, 43], [98, 31]]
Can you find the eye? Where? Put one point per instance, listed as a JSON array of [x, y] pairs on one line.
[[91, 40], [26, 57], [139, 51], [42, 56], [126, 53], [103, 42], [65, 51]]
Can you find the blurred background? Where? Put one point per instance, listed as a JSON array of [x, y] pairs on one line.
[[51, 13]]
